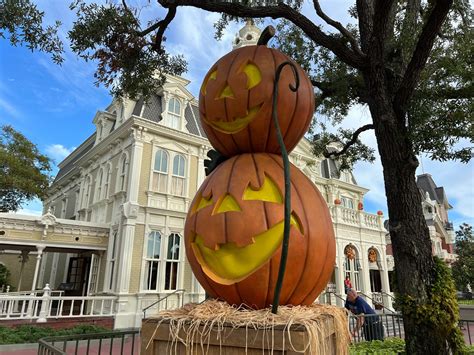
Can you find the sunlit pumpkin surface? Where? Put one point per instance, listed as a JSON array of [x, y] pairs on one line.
[[234, 231], [235, 102]]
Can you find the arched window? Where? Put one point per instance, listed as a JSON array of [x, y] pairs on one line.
[[113, 246], [160, 171], [174, 113], [123, 169], [108, 174], [172, 261], [352, 266], [86, 192], [153, 253], [99, 182], [178, 180]]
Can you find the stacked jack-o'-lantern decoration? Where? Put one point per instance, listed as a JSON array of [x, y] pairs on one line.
[[234, 228]]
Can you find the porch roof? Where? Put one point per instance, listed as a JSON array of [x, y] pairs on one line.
[[22, 232]]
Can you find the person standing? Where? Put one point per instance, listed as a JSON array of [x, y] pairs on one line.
[[347, 284], [367, 318]]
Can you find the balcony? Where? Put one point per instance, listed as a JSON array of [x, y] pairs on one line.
[[358, 218]]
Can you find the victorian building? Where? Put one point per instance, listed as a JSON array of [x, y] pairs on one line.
[[113, 224]]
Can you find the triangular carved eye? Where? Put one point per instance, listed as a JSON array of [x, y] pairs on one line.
[[202, 202], [226, 204], [268, 192], [211, 76]]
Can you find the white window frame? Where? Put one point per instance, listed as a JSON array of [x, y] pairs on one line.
[[86, 191], [122, 173], [352, 267], [108, 175], [173, 260], [174, 113], [347, 202], [162, 263], [152, 262], [176, 177], [98, 184], [162, 173], [111, 272]]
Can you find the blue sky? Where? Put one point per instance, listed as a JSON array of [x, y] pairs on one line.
[[54, 105]]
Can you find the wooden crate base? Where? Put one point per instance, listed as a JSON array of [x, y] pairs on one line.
[[231, 340]]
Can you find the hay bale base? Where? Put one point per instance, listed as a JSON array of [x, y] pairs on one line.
[[217, 328]]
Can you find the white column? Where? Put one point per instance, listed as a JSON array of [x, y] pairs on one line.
[[200, 166], [387, 300], [340, 272], [39, 249], [365, 271]]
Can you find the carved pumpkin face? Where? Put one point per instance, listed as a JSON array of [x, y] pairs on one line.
[[234, 231], [235, 102]]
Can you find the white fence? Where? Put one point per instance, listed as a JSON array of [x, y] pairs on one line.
[[44, 306]]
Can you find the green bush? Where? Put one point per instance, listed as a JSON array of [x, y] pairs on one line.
[[388, 346], [31, 334]]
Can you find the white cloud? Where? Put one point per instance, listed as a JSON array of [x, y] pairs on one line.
[[58, 152], [9, 108]]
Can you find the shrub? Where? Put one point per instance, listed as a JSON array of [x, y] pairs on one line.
[[31, 334], [388, 346]]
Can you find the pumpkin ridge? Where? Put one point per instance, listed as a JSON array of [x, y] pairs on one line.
[[249, 131], [225, 102], [227, 189], [295, 107], [308, 242], [310, 108], [269, 262], [322, 271], [292, 184], [271, 125]]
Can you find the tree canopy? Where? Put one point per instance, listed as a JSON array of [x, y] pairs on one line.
[[463, 267], [22, 24], [23, 170]]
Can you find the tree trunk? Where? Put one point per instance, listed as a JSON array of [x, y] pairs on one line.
[[408, 230]]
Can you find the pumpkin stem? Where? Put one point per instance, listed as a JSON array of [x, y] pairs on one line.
[[267, 35]]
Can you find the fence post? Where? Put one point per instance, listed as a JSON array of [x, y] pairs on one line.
[[45, 300]]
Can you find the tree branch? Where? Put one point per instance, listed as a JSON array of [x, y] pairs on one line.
[[281, 10], [421, 53], [382, 13], [337, 25], [161, 26], [348, 144], [365, 14]]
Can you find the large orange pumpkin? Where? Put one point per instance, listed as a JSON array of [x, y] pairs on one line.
[[234, 230], [235, 102]]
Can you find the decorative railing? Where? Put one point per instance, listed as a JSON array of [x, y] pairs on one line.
[[44, 306], [349, 216]]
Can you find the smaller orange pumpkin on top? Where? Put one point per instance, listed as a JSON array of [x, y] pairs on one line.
[[235, 102]]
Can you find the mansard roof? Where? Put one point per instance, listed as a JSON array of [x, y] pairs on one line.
[[427, 185], [153, 109], [70, 162]]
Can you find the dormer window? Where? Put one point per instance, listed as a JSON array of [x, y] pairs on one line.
[[174, 113]]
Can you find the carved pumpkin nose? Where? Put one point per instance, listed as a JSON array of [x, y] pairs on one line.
[[226, 204], [226, 93]]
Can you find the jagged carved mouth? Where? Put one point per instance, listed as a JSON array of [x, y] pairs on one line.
[[237, 124], [228, 263]]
